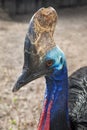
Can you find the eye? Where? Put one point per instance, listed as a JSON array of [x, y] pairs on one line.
[[49, 63]]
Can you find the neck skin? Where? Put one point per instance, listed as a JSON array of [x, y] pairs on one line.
[[56, 102]]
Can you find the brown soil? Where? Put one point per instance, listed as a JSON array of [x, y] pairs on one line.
[[21, 110]]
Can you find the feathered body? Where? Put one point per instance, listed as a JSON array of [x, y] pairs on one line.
[[62, 110], [78, 99]]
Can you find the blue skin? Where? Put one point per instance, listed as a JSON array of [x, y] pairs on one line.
[[57, 90]]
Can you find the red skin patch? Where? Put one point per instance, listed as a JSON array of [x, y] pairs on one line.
[[47, 122], [42, 116]]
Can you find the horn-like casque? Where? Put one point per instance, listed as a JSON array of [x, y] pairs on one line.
[[41, 29]]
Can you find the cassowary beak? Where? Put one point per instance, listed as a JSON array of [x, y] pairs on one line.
[[38, 41], [22, 80], [25, 78]]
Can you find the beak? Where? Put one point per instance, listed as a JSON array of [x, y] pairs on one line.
[[25, 78], [28, 76], [22, 80]]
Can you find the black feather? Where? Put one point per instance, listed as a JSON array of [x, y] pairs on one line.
[[78, 99]]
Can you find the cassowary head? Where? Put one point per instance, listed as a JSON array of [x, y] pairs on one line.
[[41, 55]]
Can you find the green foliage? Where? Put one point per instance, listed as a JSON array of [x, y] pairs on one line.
[[15, 99], [13, 122], [10, 129]]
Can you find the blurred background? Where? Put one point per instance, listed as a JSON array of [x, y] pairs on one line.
[[27, 6], [21, 110]]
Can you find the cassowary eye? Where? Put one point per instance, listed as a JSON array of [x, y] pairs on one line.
[[49, 63]]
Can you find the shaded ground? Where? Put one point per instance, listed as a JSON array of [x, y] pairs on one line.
[[20, 111]]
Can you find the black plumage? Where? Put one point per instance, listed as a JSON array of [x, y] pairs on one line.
[[78, 99]]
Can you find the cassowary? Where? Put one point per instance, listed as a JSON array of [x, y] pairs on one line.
[[65, 100]]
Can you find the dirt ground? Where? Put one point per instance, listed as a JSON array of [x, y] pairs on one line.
[[21, 110]]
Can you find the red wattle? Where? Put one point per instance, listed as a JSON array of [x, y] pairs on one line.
[[47, 122], [42, 116]]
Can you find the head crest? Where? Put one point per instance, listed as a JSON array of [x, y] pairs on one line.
[[41, 29]]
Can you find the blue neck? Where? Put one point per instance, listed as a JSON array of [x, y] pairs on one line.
[[57, 90]]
